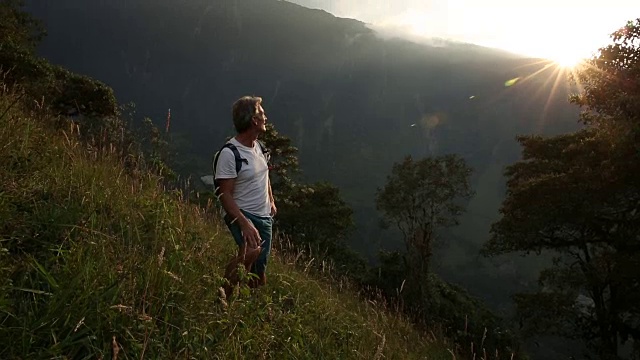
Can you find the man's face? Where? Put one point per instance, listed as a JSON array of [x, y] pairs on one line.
[[260, 119]]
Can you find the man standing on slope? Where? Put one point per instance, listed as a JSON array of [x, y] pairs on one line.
[[246, 195]]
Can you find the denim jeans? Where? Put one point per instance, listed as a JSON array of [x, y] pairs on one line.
[[264, 225]]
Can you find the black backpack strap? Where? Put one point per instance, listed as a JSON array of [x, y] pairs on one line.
[[236, 155], [265, 152]]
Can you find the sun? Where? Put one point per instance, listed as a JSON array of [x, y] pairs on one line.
[[567, 60], [555, 44], [564, 55]]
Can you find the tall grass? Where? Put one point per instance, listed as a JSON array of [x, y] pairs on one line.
[[99, 261]]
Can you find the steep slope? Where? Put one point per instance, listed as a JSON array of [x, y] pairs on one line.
[[98, 261]]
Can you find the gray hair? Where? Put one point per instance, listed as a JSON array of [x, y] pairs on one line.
[[243, 111]]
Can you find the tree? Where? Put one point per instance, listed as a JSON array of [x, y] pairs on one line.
[[578, 196], [18, 28], [560, 198], [316, 218], [611, 81], [64, 92], [284, 166], [311, 215], [611, 98], [421, 197], [317, 213]]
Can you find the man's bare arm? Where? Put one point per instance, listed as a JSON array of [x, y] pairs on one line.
[[274, 210], [249, 231]]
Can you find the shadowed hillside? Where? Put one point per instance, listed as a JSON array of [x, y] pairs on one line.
[[97, 261]]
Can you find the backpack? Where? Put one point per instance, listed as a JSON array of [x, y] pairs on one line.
[[239, 161]]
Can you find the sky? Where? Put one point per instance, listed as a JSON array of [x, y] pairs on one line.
[[560, 30]]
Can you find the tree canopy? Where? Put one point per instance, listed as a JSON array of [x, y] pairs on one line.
[[577, 196], [421, 197]]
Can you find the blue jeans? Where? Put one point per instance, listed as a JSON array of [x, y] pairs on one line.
[[264, 224]]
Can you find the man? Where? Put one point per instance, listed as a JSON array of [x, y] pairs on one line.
[[246, 196]]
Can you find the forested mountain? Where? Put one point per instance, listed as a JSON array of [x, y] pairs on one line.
[[352, 102]]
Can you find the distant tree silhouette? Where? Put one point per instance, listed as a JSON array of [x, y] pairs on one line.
[[578, 196], [420, 198]]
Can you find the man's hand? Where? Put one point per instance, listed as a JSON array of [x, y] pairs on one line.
[[274, 209], [250, 234]]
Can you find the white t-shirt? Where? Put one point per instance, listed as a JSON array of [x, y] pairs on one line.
[[251, 190]]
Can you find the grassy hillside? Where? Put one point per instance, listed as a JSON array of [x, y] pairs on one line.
[[97, 260]]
